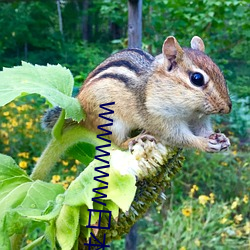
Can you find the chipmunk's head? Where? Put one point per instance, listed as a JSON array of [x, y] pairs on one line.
[[198, 77]]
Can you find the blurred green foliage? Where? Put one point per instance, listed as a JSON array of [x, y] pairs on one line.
[[30, 31]]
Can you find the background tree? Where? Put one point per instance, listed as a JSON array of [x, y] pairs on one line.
[[92, 30]]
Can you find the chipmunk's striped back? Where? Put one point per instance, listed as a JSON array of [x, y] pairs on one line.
[[124, 66]]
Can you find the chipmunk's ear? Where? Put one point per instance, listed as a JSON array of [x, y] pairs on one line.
[[171, 49], [197, 43]]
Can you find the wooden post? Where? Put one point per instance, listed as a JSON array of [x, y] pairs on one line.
[[134, 23], [131, 238]]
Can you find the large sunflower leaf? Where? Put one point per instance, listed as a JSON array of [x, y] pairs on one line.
[[53, 82]]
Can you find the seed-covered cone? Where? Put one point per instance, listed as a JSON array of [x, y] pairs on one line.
[[153, 166]]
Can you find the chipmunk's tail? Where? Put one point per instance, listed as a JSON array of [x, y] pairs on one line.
[[50, 117]]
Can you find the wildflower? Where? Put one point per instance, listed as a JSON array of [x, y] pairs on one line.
[[223, 220], [224, 164], [238, 218], [24, 154], [77, 162], [193, 190], [65, 185], [187, 211], [183, 248], [55, 178], [70, 178], [65, 163], [238, 233], [29, 124], [35, 159], [247, 227], [211, 195], [234, 152], [203, 199], [14, 123], [197, 242], [6, 113], [235, 203], [73, 168], [245, 199], [4, 134], [23, 164]]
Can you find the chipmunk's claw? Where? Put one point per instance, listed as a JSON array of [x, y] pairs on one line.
[[218, 142], [141, 139]]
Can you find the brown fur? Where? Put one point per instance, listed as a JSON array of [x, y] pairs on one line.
[[156, 95]]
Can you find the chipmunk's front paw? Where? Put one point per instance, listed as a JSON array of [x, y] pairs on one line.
[[218, 142], [141, 139]]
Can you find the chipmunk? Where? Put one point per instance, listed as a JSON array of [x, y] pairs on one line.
[[170, 97]]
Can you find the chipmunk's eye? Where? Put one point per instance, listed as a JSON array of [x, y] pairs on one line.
[[197, 79]]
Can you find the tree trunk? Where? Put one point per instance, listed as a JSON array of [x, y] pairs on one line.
[[85, 23], [135, 23], [131, 238], [59, 16]]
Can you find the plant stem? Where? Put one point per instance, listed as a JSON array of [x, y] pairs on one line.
[[56, 147]]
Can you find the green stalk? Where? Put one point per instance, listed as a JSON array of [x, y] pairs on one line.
[[57, 146]]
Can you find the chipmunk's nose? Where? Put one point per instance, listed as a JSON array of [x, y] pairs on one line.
[[227, 108]]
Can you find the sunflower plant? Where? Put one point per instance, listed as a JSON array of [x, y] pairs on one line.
[[135, 178]]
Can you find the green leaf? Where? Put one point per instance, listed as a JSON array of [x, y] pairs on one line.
[[121, 185], [14, 198], [121, 189], [83, 152], [39, 194], [6, 186], [50, 234], [9, 168], [111, 206], [67, 226], [53, 82], [80, 191]]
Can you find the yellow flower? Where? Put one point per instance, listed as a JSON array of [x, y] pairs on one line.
[[234, 152], [187, 211], [211, 195], [183, 248], [35, 159], [29, 124], [12, 105], [224, 164], [73, 168], [6, 113], [223, 220], [245, 199], [193, 190], [70, 178], [235, 203], [238, 218], [55, 178], [203, 199], [14, 123], [4, 134], [197, 242], [23, 164], [65, 185], [65, 163], [247, 227], [77, 162], [238, 233], [24, 154]]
